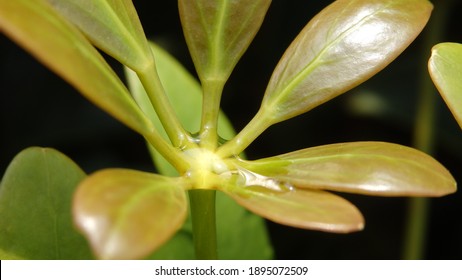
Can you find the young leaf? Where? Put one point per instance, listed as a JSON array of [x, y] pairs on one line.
[[219, 32], [314, 210], [372, 168], [445, 67], [35, 26], [341, 47], [126, 214], [35, 207], [111, 25]]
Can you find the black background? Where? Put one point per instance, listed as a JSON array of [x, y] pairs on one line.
[[39, 109]]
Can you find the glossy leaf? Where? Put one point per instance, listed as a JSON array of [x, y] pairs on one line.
[[341, 47], [126, 214], [219, 32], [36, 27], [445, 68], [35, 207], [314, 210], [111, 25], [372, 168], [184, 93]]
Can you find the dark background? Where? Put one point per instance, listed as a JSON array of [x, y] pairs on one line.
[[39, 109]]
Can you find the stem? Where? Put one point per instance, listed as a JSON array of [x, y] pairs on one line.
[[202, 203], [424, 138], [161, 104], [246, 136], [170, 153], [213, 90]]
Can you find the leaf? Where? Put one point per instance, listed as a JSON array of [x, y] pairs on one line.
[[111, 25], [127, 214], [372, 168], [35, 207], [219, 32], [35, 26], [314, 210], [185, 95], [445, 67], [341, 47]]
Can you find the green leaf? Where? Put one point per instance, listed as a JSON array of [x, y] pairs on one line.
[[372, 168], [219, 32], [111, 25], [314, 210], [35, 26], [445, 68], [35, 207], [341, 47], [127, 214]]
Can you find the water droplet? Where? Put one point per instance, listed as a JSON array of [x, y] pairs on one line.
[[252, 179]]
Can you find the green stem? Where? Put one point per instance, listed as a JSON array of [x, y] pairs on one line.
[[202, 203], [424, 138], [213, 90], [246, 136], [173, 155], [161, 104]]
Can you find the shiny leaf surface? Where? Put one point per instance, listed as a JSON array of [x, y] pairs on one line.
[[219, 32], [35, 26], [126, 214], [341, 47], [111, 25], [35, 207], [445, 67], [372, 168], [314, 210]]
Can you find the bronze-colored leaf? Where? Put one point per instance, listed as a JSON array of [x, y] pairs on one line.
[[35, 26], [219, 32], [341, 47], [314, 210], [111, 25], [372, 168], [127, 214], [445, 67]]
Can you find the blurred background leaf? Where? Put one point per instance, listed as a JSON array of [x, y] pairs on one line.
[[35, 207]]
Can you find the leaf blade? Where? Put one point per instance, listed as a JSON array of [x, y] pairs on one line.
[[371, 168], [307, 209], [342, 46], [112, 25], [35, 26], [127, 214], [445, 67], [44, 180], [210, 31]]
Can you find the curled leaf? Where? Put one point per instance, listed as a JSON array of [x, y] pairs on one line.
[[341, 47], [126, 214], [111, 25], [36, 27], [445, 67], [219, 32], [372, 168], [314, 210]]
